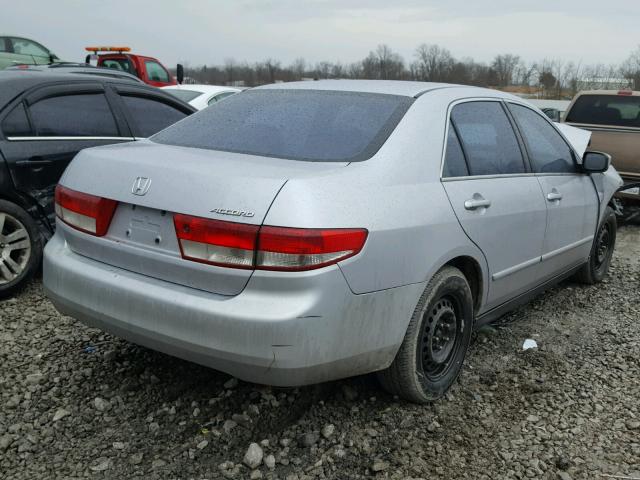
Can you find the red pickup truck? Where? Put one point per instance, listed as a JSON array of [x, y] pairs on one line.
[[147, 69]]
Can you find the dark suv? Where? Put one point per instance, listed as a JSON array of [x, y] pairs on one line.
[[45, 119]]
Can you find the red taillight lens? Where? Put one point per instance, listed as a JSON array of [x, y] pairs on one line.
[[226, 244], [296, 249], [238, 245], [84, 212]]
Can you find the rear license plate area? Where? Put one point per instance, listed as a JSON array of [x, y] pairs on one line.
[[144, 227]]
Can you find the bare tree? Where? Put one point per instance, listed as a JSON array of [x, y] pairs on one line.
[[630, 68], [298, 68], [383, 64], [433, 63], [504, 66], [230, 68]]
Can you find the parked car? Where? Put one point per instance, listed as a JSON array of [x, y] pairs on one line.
[[614, 119], [18, 50], [46, 117], [148, 69], [82, 68], [304, 232], [201, 96]]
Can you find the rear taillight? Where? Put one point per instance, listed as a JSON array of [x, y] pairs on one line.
[[84, 212], [295, 249], [238, 245], [226, 244]]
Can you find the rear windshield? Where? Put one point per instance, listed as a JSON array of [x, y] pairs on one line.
[[617, 110], [310, 125], [184, 95]]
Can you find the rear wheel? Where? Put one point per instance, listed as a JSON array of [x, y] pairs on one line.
[[431, 355], [20, 248], [604, 243]]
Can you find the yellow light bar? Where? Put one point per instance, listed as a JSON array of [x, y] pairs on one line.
[[107, 49]]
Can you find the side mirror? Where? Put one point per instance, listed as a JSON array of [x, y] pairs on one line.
[[180, 73], [596, 162]]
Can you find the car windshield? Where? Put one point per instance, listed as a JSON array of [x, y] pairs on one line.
[[122, 64], [311, 125], [184, 95], [616, 110]]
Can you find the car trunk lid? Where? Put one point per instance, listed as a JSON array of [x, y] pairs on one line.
[[152, 182]]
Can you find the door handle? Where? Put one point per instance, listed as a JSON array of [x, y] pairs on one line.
[[554, 195], [477, 202], [34, 162]]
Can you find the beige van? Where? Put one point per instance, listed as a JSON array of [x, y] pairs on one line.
[[614, 119]]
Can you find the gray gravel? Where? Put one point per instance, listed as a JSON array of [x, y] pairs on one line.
[[79, 403]]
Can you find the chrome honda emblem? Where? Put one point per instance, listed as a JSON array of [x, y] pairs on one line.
[[141, 186]]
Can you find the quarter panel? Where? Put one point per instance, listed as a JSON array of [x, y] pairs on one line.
[[412, 229]]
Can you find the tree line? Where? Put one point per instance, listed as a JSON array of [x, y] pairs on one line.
[[433, 63]]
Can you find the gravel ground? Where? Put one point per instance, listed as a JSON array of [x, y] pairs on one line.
[[78, 403]]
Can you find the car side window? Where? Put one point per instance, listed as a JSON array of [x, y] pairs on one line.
[[83, 115], [22, 46], [149, 115], [488, 139], [455, 164], [4, 44], [156, 72], [548, 151], [16, 124]]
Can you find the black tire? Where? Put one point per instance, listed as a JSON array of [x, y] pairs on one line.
[[429, 359], [17, 264], [604, 243]]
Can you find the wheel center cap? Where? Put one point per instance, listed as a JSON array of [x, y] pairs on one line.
[[443, 335]]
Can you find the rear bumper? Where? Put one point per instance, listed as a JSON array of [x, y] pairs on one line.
[[284, 329]]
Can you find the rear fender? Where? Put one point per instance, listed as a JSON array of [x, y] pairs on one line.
[[9, 193]]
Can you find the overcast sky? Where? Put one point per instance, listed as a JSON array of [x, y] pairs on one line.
[[209, 31]]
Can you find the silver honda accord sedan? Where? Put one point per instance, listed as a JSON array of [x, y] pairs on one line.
[[304, 232]]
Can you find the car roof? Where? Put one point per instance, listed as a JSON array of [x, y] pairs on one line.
[[202, 88], [14, 82], [76, 68], [391, 87], [609, 92]]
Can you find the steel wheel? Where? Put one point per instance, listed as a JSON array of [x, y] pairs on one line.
[[441, 337], [15, 248], [603, 244]]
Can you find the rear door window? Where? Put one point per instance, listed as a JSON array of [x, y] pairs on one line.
[[311, 125], [82, 115], [455, 164], [4, 44], [149, 116], [548, 151], [16, 124], [615, 110], [156, 72], [488, 139]]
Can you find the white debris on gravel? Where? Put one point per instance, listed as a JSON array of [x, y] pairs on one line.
[[253, 457]]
